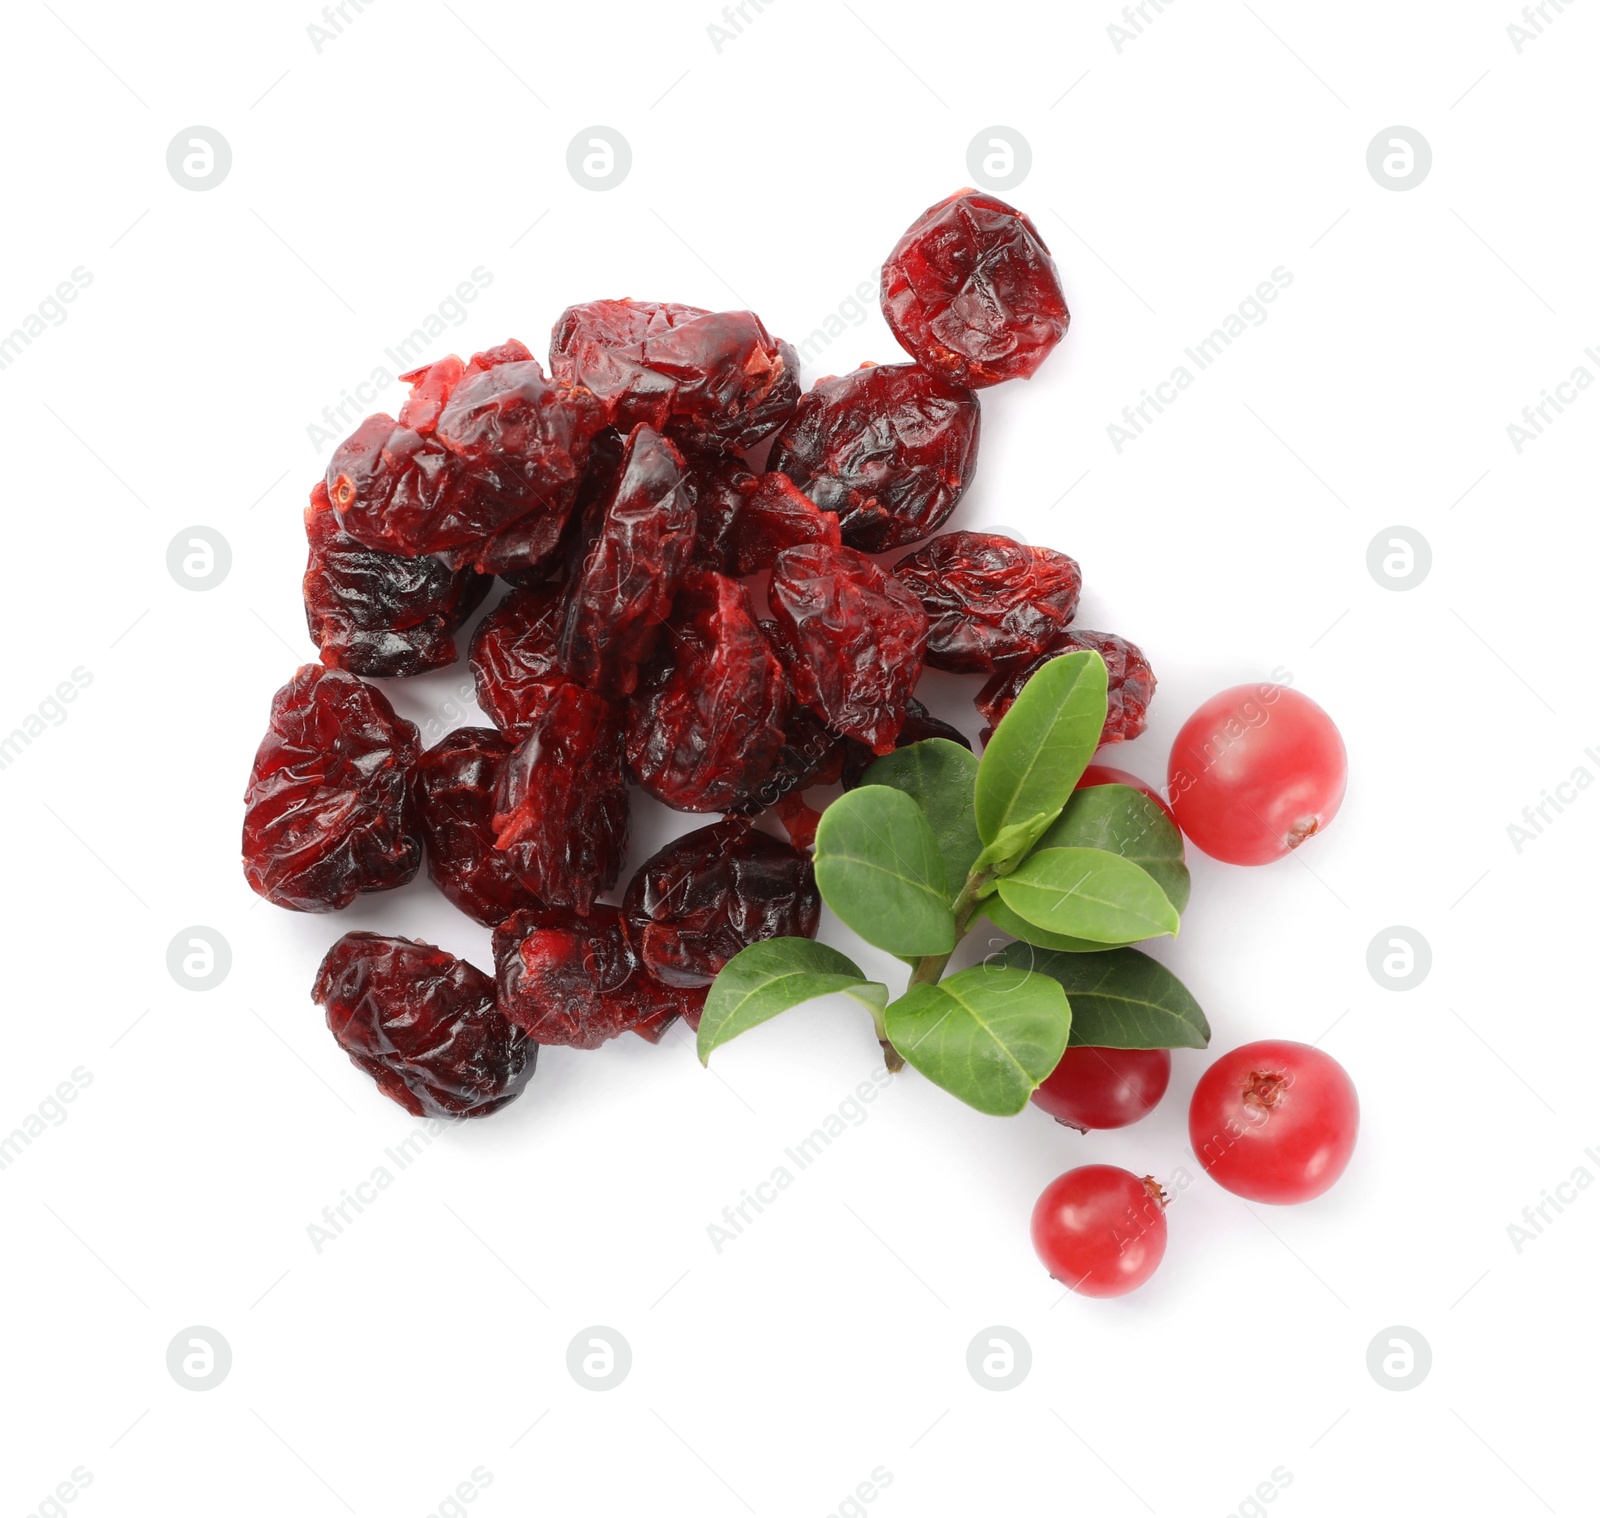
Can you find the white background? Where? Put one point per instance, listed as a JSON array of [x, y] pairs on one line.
[[428, 1341]]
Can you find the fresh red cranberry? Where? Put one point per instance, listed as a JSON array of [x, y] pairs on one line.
[[971, 292], [1105, 774], [1100, 1231], [1275, 1121], [1105, 1088], [1256, 771]]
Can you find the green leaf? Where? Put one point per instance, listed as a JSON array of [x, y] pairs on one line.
[[1088, 893], [940, 776], [879, 868], [1019, 927], [1011, 843], [1043, 744], [770, 977], [988, 1035], [1121, 999], [1129, 824]]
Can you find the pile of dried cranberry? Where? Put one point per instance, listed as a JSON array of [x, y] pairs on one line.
[[681, 617]]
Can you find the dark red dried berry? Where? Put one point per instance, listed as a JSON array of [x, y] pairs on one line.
[[971, 292], [990, 599], [712, 379], [424, 1025], [890, 449], [920, 723], [328, 812], [1130, 683], [514, 657], [574, 980], [561, 802], [378, 613], [476, 451], [776, 516], [799, 818], [455, 783], [812, 753], [696, 903], [853, 637], [707, 721], [633, 567], [722, 483]]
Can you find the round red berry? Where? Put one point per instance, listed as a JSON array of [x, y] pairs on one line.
[[1255, 772], [1274, 1121], [1105, 1088], [1099, 1230]]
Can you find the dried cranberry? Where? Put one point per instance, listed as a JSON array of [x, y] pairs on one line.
[[561, 802], [707, 721], [378, 613], [776, 516], [455, 784], [1130, 683], [971, 292], [632, 568], [800, 819], [696, 903], [474, 452], [990, 599], [574, 980], [424, 1025], [514, 662], [722, 482], [812, 753], [328, 813], [680, 1001], [713, 379], [920, 723], [854, 636], [889, 448]]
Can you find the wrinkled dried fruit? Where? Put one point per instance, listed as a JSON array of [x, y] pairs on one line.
[[424, 1025], [632, 568], [812, 753], [890, 449], [561, 802], [377, 613], [776, 516], [328, 812], [971, 292], [455, 783], [990, 599], [1130, 683], [574, 980], [722, 483], [853, 637], [477, 447], [514, 657], [920, 723], [713, 379], [707, 721], [696, 903]]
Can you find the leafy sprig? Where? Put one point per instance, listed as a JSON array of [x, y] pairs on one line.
[[935, 837]]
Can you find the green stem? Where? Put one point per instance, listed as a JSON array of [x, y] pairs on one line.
[[964, 908]]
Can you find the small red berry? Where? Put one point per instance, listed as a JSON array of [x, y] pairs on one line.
[[1255, 772], [1099, 1230], [1274, 1121], [1105, 1088]]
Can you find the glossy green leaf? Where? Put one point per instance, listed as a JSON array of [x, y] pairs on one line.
[[940, 776], [1019, 927], [1129, 824], [1043, 744], [1121, 999], [1088, 893], [879, 867], [988, 1035], [770, 977]]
